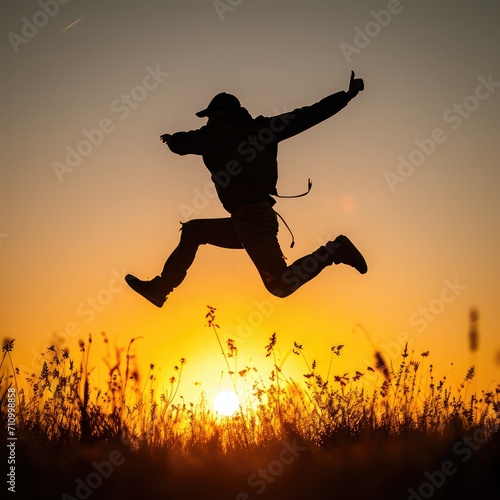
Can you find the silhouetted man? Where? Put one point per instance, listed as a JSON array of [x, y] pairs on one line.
[[241, 154]]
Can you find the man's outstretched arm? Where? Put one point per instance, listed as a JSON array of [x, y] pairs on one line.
[[183, 143], [301, 119]]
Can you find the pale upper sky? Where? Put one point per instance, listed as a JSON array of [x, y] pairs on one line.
[[409, 171]]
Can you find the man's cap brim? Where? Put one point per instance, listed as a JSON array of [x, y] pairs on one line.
[[221, 102]]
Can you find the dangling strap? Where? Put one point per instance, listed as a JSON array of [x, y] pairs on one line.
[[309, 186], [288, 227]]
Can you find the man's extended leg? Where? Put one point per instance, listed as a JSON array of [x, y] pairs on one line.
[[339, 251], [218, 232], [257, 228]]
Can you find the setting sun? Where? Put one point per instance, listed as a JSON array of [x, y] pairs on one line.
[[226, 403]]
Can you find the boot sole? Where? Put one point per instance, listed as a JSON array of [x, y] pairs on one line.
[[135, 284]]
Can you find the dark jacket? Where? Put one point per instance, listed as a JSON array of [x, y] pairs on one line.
[[241, 152]]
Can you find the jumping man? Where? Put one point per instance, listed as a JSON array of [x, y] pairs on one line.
[[241, 154]]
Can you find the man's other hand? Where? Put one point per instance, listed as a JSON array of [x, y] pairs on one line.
[[165, 138]]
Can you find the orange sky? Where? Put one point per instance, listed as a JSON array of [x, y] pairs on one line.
[[409, 171]]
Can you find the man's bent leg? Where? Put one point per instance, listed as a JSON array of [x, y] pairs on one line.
[[218, 232], [257, 228], [339, 251], [305, 269]]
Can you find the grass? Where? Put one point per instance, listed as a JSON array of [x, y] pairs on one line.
[[330, 436]]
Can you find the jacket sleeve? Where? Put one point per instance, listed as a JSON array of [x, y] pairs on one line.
[[192, 142], [287, 125]]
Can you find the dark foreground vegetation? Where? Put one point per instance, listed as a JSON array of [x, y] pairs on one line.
[[329, 437]]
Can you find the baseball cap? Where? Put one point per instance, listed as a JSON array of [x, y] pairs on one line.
[[221, 102]]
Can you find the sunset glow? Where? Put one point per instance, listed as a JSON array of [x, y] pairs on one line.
[[408, 170], [226, 403]]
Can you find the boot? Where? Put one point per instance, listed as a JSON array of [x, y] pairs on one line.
[[153, 290], [344, 252]]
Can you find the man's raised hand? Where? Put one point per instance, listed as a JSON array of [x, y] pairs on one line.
[[356, 85]]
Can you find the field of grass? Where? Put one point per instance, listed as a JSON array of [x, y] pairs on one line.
[[329, 437]]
